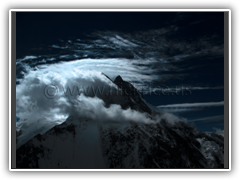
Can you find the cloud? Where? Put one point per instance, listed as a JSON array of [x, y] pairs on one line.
[[25, 59], [51, 59], [205, 104], [29, 57], [128, 69], [94, 108], [219, 131], [58, 47], [177, 61], [166, 90], [170, 118], [150, 53], [209, 119], [196, 22], [119, 42], [66, 57], [185, 107], [204, 88]]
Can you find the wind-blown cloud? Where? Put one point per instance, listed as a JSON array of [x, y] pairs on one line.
[[219, 131], [119, 42], [205, 104], [189, 106], [39, 112], [161, 59], [208, 119], [30, 57]]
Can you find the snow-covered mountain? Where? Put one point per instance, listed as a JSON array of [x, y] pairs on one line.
[[160, 142]]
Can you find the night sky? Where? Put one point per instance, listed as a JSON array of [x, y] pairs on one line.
[[161, 50]]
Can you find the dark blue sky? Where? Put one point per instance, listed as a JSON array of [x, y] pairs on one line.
[[187, 49]]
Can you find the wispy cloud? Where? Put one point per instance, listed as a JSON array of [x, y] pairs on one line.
[[58, 47], [151, 53], [219, 131], [27, 58], [221, 103], [189, 106], [204, 88], [119, 41], [196, 22], [211, 118]]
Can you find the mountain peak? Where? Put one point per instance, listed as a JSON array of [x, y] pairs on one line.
[[118, 79]]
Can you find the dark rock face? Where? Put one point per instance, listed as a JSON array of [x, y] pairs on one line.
[[127, 88], [160, 146], [128, 97], [118, 79], [29, 154], [82, 143]]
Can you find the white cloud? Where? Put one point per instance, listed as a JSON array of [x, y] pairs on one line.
[[117, 41], [209, 119], [219, 131], [204, 104], [26, 58], [59, 47], [189, 106], [204, 88]]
